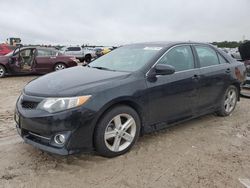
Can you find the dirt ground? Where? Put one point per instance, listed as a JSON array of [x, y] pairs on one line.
[[206, 152]]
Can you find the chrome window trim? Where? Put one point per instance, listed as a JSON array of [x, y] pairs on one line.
[[178, 45], [198, 68]]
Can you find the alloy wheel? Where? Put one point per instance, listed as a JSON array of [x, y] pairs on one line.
[[230, 100], [120, 132], [59, 67], [2, 71]]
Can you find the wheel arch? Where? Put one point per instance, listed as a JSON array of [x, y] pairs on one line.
[[237, 85], [59, 62], [88, 54], [4, 67], [119, 102]]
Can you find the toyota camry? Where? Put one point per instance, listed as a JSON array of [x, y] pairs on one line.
[[135, 89]]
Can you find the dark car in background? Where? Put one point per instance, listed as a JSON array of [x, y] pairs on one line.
[[132, 90], [34, 60], [244, 50]]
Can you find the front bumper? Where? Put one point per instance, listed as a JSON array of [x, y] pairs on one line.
[[39, 128], [39, 145]]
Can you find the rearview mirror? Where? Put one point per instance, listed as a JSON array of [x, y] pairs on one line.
[[161, 69]]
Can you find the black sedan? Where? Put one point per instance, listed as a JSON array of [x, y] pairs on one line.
[[135, 89]]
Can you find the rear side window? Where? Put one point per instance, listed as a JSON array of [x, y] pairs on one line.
[[44, 53], [74, 49], [180, 57], [207, 56]]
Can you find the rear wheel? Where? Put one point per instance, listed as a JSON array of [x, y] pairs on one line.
[[229, 101], [117, 131], [2, 71], [59, 66]]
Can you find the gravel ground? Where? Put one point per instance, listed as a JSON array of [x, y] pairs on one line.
[[206, 152]]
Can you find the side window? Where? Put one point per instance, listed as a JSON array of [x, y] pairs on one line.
[[70, 49], [77, 49], [53, 53], [180, 57], [222, 59], [26, 53], [207, 56], [74, 49], [43, 53]]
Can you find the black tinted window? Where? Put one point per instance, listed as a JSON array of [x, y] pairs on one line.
[[74, 49], [180, 57], [207, 56]]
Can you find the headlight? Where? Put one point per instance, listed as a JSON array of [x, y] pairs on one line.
[[53, 105]]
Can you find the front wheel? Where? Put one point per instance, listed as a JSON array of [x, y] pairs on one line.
[[88, 58], [2, 71], [117, 131], [229, 101]]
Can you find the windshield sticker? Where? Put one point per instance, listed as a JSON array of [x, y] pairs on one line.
[[153, 48]]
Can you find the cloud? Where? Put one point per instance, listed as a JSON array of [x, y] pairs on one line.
[[114, 22]]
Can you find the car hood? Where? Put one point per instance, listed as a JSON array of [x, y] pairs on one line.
[[4, 59], [73, 82]]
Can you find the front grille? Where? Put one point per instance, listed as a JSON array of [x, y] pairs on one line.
[[29, 105]]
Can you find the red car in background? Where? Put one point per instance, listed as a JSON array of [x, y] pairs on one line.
[[5, 49], [34, 60]]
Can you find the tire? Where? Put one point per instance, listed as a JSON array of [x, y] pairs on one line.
[[2, 71], [117, 131], [87, 58], [229, 101], [59, 66]]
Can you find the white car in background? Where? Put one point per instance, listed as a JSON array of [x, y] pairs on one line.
[[83, 54]]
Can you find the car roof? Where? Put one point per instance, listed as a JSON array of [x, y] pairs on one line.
[[166, 43], [38, 48]]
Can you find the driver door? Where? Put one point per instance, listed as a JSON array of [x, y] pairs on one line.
[[174, 97], [22, 60]]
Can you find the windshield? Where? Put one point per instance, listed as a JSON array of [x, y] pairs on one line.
[[128, 58], [9, 54]]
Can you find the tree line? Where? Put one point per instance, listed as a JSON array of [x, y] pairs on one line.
[[228, 44]]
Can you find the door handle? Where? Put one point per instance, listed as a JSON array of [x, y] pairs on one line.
[[196, 77], [228, 70]]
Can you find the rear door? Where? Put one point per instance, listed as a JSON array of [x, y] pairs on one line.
[[214, 76], [44, 61], [173, 97]]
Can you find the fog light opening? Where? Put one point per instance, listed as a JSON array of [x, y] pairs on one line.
[[59, 139]]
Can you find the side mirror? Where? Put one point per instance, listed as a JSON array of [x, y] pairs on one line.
[[161, 69]]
